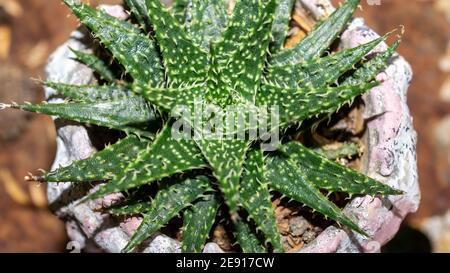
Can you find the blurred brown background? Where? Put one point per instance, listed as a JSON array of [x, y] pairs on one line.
[[31, 29]]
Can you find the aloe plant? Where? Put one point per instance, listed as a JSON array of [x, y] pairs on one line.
[[198, 51]]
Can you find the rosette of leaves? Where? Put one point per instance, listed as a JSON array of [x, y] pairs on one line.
[[163, 58]]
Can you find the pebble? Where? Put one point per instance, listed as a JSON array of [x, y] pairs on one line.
[[298, 225]]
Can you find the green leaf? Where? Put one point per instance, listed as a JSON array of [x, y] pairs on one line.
[[92, 93], [280, 25], [245, 66], [371, 68], [256, 200], [323, 71], [167, 204], [296, 105], [329, 175], [226, 157], [96, 64], [328, 70], [179, 10], [239, 27], [207, 19], [185, 62], [139, 10], [135, 51], [128, 115], [217, 91], [102, 165], [169, 98], [345, 150], [197, 223], [163, 158], [287, 178], [131, 206], [246, 238], [318, 40]]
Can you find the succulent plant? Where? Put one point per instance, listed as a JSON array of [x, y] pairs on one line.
[[198, 52]]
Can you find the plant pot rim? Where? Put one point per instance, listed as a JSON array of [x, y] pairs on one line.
[[390, 157]]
